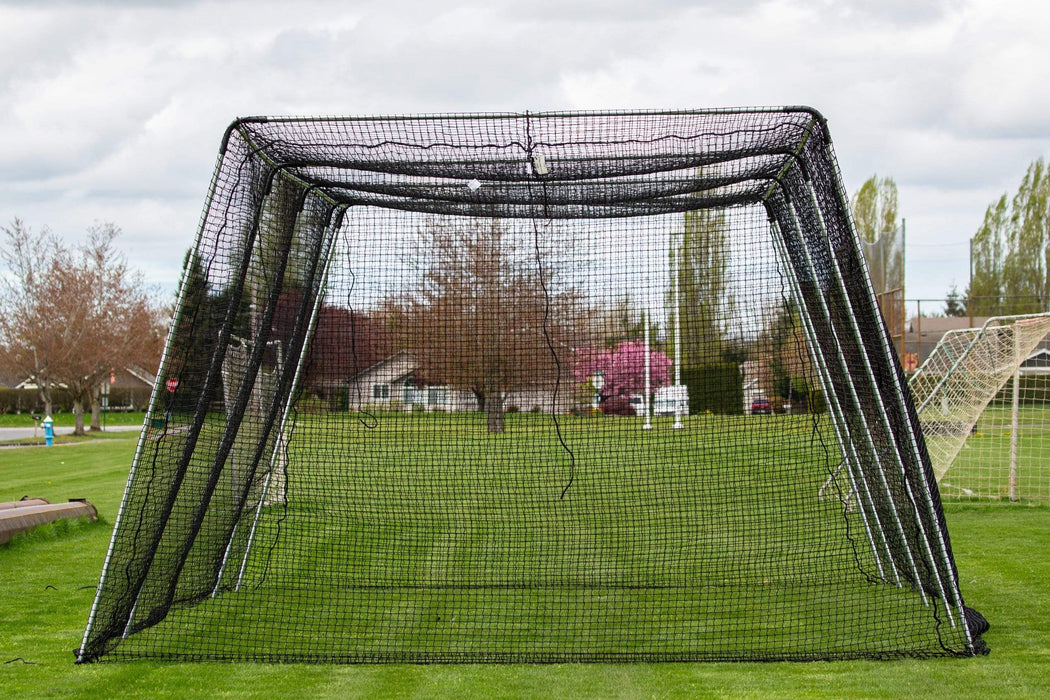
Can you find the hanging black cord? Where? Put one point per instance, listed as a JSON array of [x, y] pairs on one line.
[[530, 147]]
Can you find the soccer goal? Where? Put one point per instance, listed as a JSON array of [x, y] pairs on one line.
[[982, 398], [409, 352]]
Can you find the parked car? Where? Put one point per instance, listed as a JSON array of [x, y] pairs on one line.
[[668, 398], [761, 406]]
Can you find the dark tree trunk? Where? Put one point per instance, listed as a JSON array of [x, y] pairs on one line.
[[78, 416], [96, 410], [44, 387], [494, 413]]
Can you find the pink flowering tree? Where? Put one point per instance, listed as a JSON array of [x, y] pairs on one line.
[[624, 368]]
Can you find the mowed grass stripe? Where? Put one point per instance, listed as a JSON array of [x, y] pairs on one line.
[[48, 582], [712, 534]]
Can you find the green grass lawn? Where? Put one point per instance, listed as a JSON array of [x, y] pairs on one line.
[[48, 579], [981, 471], [424, 537]]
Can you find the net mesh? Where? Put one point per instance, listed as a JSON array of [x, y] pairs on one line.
[[982, 397], [529, 423]]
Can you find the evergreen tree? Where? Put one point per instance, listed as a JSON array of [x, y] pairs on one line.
[[954, 304]]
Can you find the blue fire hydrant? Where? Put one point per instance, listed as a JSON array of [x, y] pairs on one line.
[[49, 431]]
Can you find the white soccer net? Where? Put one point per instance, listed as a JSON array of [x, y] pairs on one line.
[[981, 397]]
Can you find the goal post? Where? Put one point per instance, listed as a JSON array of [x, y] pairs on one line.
[[983, 411], [388, 444]]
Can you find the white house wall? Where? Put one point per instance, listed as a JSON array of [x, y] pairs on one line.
[[392, 373]]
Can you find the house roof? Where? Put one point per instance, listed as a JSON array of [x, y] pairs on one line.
[[141, 374], [923, 334], [1038, 359], [400, 355], [943, 324]]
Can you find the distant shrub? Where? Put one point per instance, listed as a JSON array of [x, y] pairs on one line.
[[1033, 390], [131, 399], [28, 400], [715, 388], [310, 404], [816, 402], [339, 400]]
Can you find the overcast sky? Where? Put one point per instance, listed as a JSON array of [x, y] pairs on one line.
[[113, 111]]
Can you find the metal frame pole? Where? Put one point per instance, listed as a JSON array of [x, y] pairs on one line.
[[164, 360], [279, 442], [849, 453], [911, 443]]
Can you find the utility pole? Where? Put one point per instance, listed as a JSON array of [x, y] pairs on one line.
[[677, 336], [648, 425], [969, 290]]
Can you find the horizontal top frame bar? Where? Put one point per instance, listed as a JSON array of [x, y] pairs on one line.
[[790, 109]]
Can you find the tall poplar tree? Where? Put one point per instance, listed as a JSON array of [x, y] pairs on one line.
[[877, 217], [703, 294], [875, 208], [1010, 253]]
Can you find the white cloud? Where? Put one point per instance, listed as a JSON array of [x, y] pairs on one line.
[[115, 110]]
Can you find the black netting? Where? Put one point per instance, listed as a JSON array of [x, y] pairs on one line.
[[529, 388]]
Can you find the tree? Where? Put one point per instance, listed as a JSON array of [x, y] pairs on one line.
[[877, 218], [488, 317], [881, 230], [26, 336], [875, 208], [701, 275], [1024, 266], [984, 294], [92, 292], [80, 313], [1010, 253], [954, 304], [344, 342], [195, 332], [623, 368], [783, 346]]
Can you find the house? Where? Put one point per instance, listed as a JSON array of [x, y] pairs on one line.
[[1038, 363], [129, 377], [392, 384], [9, 381], [128, 389], [924, 332]]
